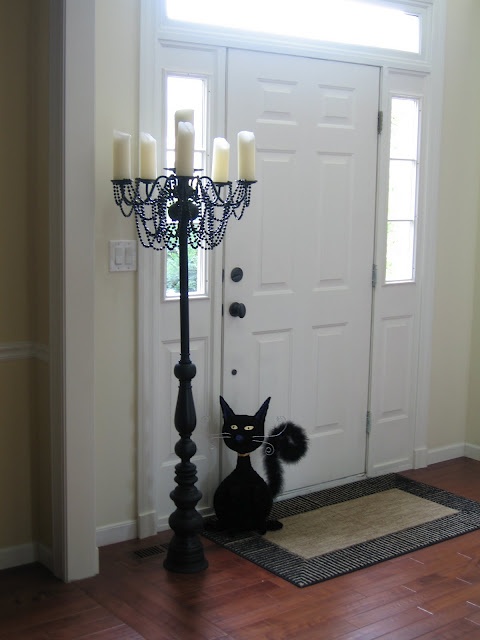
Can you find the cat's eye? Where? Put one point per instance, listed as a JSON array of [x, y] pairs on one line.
[[249, 428], [233, 426]]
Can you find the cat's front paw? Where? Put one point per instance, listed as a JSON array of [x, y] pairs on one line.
[[274, 525]]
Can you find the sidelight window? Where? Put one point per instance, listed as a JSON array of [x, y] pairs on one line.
[[402, 189], [181, 92]]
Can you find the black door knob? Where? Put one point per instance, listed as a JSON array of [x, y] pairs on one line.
[[237, 310]]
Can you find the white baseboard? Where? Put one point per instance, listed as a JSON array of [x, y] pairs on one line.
[[26, 554], [442, 454], [394, 466], [472, 451], [45, 556], [113, 533], [147, 524], [420, 458], [15, 556], [162, 521]]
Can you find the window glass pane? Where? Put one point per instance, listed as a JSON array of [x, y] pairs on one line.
[[404, 129], [400, 241], [186, 92], [402, 189], [357, 22], [172, 283]]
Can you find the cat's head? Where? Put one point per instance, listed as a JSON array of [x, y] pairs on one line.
[[243, 433]]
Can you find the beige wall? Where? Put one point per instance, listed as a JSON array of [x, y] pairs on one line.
[[14, 283], [473, 412], [25, 495], [457, 233], [117, 87]]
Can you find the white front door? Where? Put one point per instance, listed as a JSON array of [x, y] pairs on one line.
[[305, 247]]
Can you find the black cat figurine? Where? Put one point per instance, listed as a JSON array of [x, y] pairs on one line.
[[243, 499]]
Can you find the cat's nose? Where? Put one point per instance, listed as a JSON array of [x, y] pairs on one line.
[[239, 437]]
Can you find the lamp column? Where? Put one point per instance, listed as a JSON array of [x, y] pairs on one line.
[[185, 551]]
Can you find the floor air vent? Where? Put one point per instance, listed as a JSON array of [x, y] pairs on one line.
[[150, 552]]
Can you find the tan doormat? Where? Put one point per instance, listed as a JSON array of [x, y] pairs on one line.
[[342, 525], [342, 529]]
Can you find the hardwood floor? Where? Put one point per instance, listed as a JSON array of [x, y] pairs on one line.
[[431, 594]]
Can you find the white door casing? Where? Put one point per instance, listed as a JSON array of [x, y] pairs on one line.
[[306, 249]]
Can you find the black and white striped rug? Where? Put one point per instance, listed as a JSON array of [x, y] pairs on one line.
[[305, 561]]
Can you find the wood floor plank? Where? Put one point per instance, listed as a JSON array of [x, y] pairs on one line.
[[386, 626], [432, 623]]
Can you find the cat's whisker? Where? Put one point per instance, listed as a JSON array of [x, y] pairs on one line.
[[269, 449], [276, 435]]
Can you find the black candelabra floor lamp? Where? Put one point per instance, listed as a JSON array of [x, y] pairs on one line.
[[179, 210]]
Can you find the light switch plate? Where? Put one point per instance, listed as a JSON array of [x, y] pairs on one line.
[[123, 255]]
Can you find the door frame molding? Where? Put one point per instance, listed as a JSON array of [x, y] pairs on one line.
[[72, 279]]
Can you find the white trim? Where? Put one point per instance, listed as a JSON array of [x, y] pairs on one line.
[[146, 524], [79, 292], [113, 533], [45, 555], [472, 451], [163, 525], [203, 34], [148, 400], [425, 457], [18, 555], [430, 216], [420, 457], [449, 452], [24, 351], [392, 466], [149, 291], [25, 554]]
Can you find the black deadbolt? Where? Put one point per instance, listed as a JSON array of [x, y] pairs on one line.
[[236, 274]]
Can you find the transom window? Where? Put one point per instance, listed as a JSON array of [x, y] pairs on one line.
[[367, 23]]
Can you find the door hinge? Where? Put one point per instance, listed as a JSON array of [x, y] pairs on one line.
[[369, 422], [380, 122], [374, 275]]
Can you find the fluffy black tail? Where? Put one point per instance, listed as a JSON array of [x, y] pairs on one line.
[[287, 443]]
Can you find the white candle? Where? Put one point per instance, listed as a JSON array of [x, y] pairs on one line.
[[221, 157], [246, 155], [183, 115], [148, 157], [122, 163], [184, 149]]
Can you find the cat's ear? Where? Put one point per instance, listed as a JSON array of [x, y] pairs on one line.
[[227, 412], [262, 412]]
